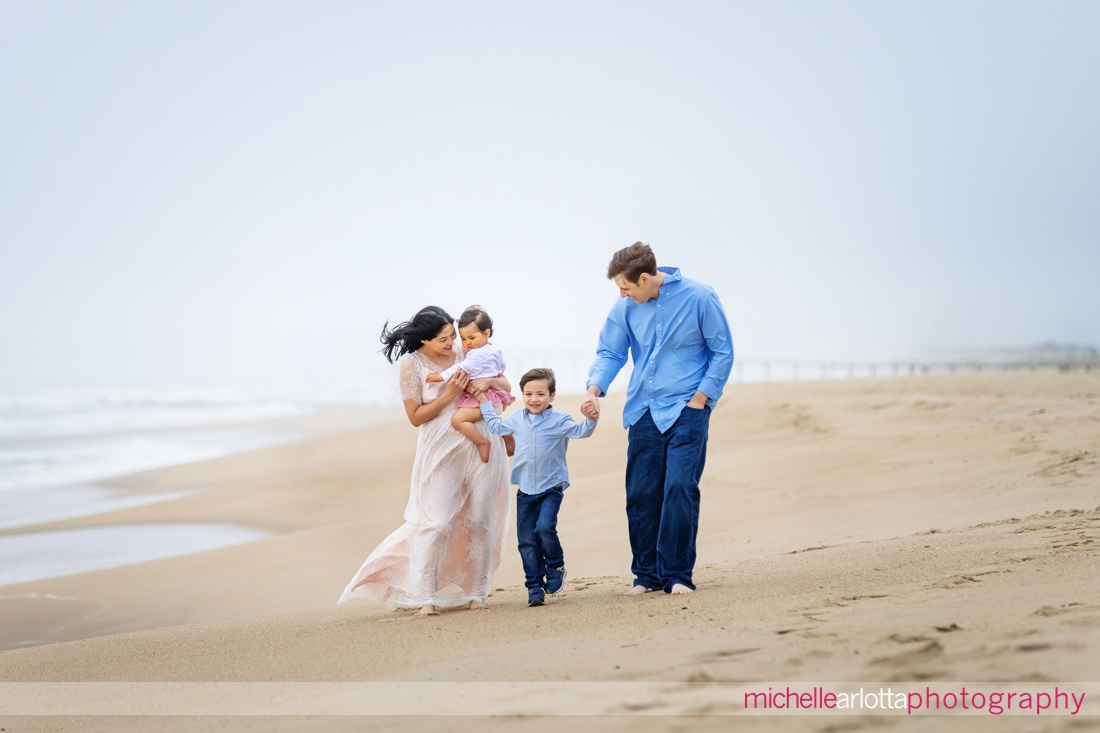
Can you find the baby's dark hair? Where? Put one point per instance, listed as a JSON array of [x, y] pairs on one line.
[[411, 335], [539, 373], [477, 315]]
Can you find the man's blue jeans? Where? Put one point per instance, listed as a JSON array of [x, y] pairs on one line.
[[537, 527], [662, 497]]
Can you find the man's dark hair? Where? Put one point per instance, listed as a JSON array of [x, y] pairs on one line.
[[540, 373], [632, 261]]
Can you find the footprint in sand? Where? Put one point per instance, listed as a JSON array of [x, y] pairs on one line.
[[1080, 614], [963, 580], [907, 639], [722, 655], [930, 651]]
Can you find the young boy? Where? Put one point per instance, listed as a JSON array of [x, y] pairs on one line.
[[539, 469]]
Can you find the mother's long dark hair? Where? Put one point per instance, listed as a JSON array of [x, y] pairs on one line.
[[411, 335]]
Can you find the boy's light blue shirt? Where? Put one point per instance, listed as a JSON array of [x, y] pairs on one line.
[[680, 343], [541, 442]]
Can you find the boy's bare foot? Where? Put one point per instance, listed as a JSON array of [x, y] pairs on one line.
[[427, 610], [510, 444], [679, 589], [638, 590], [477, 606], [483, 451]]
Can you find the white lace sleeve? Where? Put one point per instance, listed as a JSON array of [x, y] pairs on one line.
[[411, 379]]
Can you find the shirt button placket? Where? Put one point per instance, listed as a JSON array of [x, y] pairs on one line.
[[652, 370]]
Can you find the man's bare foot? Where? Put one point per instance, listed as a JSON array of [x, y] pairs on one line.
[[679, 589], [510, 444], [483, 451], [427, 610], [477, 606], [638, 590]]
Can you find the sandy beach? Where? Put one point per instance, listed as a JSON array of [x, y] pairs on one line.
[[915, 532]]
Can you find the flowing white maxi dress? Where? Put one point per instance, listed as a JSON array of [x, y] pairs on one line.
[[450, 545]]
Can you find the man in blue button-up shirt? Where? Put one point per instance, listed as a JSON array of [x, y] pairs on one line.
[[675, 331], [540, 471]]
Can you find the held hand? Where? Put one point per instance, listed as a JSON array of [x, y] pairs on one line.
[[590, 408], [433, 377]]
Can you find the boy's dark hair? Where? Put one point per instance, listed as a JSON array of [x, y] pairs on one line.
[[411, 335], [476, 314], [632, 261], [540, 373]]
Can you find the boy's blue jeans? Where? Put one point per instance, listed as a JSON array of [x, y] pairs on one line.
[[662, 497], [537, 527]]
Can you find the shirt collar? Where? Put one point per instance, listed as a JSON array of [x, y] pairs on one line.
[[672, 275]]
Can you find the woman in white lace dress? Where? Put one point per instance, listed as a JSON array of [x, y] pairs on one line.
[[447, 551]]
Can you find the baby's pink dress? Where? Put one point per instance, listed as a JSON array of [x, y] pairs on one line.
[[486, 361]]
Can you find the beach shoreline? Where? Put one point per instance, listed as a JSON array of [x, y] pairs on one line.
[[55, 530]]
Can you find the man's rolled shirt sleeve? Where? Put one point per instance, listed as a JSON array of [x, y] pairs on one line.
[[612, 351]]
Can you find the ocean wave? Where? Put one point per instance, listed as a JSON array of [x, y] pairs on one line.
[[81, 413]]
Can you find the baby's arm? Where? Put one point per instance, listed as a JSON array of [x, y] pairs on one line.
[[480, 363], [446, 374], [468, 365]]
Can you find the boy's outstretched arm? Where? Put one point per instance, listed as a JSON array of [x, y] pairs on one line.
[[492, 420], [572, 429]]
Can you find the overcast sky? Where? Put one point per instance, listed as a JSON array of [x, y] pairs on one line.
[[240, 194]]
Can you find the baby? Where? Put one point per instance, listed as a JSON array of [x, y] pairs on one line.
[[475, 327]]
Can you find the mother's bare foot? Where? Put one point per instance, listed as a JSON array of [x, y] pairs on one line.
[[427, 610], [679, 589], [477, 606]]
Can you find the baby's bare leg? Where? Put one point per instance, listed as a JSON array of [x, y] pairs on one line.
[[463, 421]]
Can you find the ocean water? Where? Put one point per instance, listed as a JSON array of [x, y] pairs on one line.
[[58, 450], [41, 555], [57, 440]]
